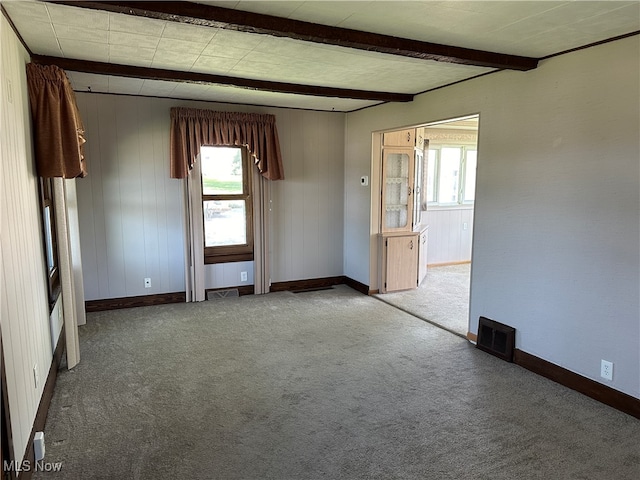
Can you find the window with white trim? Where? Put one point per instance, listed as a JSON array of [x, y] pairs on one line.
[[451, 175]]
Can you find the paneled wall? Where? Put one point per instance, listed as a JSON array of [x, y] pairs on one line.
[[24, 319], [450, 234], [130, 212], [307, 208], [131, 218]]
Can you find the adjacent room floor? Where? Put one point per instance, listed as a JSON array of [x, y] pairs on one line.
[[329, 384], [442, 298]]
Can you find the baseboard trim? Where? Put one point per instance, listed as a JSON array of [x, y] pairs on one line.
[[43, 407], [472, 337], [448, 264], [307, 284], [602, 393], [356, 285], [129, 302], [179, 297]]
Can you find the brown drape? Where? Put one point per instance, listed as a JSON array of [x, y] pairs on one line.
[[58, 130], [191, 128]]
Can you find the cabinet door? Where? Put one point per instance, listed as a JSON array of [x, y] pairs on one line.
[[400, 138], [422, 256], [401, 262], [417, 189], [397, 190]]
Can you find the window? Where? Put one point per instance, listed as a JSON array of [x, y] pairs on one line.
[[451, 175], [226, 204], [50, 238]]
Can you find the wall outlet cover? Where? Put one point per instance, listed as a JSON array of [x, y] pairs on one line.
[[606, 369]]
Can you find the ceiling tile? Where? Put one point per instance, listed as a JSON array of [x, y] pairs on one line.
[[98, 52], [277, 8], [190, 33], [157, 88], [87, 82], [229, 38], [119, 22], [180, 46], [36, 34], [326, 13], [215, 50], [174, 60], [129, 86], [131, 55], [191, 90], [134, 40], [84, 34], [27, 11], [206, 64], [81, 17]]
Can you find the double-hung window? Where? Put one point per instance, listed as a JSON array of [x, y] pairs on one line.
[[451, 175], [50, 238], [226, 204]]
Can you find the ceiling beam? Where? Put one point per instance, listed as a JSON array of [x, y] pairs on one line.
[[147, 73], [229, 19]]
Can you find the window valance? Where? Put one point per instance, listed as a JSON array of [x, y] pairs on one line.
[[192, 128], [58, 130]]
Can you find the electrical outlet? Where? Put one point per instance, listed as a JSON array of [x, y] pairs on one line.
[[243, 276], [465, 226], [606, 369], [147, 283], [36, 378]]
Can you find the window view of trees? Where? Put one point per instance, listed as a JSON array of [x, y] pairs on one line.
[[226, 198]]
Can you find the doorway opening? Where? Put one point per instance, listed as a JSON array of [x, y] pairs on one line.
[[448, 187]]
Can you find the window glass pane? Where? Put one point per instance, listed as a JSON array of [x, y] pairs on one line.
[[470, 176], [224, 223], [48, 238], [449, 175], [431, 176], [221, 170], [396, 190]]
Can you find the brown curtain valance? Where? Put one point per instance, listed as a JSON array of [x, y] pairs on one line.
[[191, 128], [58, 130]]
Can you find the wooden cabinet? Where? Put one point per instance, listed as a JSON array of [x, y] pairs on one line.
[[400, 138], [403, 241], [399, 261]]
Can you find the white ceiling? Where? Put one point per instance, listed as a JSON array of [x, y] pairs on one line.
[[526, 28]]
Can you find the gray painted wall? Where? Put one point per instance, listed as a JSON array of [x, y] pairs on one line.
[[131, 224], [557, 220]]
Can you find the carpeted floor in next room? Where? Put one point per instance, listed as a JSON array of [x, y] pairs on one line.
[[329, 384], [442, 298]]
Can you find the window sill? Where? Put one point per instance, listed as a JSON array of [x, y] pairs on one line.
[[228, 258], [464, 206]]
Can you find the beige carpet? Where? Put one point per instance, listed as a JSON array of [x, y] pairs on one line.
[[322, 385], [442, 298]]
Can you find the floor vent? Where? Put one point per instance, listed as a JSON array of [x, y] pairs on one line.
[[496, 338], [216, 294]]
